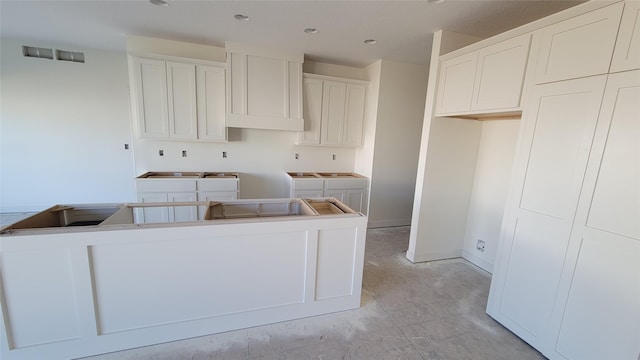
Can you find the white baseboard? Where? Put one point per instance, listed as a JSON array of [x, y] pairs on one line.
[[415, 258], [483, 264]]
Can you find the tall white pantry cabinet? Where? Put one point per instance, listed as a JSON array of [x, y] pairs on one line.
[[567, 273]]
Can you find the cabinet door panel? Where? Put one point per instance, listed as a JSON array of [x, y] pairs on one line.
[[565, 115], [602, 317], [333, 112], [558, 129], [354, 121], [455, 84], [307, 193], [150, 79], [148, 215], [182, 213], [615, 206], [356, 200], [312, 92], [210, 82], [338, 194], [627, 53], [598, 311], [181, 90], [578, 47], [500, 74]]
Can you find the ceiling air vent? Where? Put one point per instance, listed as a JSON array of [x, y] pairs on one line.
[[31, 51], [74, 56]]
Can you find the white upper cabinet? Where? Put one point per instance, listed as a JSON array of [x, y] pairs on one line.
[[264, 88], [211, 102], [333, 114], [178, 100], [578, 47], [627, 52], [149, 90], [484, 81], [334, 111], [181, 90], [500, 74], [455, 84]]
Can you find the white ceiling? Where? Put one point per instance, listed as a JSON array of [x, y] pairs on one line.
[[403, 29]]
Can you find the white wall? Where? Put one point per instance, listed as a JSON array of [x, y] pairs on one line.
[[399, 124], [448, 181], [63, 128], [491, 181]]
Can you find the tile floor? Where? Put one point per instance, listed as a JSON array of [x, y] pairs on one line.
[[409, 311]]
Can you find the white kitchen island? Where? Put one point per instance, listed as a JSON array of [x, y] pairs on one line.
[[112, 284]]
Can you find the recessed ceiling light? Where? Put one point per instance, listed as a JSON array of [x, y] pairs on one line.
[[241, 17], [311, 31], [159, 2], [435, 1], [370, 41]]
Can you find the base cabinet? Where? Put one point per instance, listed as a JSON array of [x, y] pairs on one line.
[[351, 189]]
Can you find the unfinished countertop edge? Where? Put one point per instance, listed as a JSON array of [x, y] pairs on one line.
[[8, 230]]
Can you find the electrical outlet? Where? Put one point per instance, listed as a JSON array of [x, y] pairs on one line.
[[184, 153], [224, 154], [161, 152], [334, 156], [297, 156], [480, 245]]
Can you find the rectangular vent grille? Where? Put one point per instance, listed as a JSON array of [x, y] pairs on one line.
[[61, 55], [43, 53], [74, 56]]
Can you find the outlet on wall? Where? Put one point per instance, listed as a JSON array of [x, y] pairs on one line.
[[480, 245]]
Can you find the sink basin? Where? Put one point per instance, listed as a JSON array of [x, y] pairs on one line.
[[170, 175]]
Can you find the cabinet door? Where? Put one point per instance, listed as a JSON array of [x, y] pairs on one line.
[[182, 213], [338, 194], [148, 215], [150, 82], [599, 312], [500, 74], [356, 200], [210, 81], [627, 52], [354, 114], [333, 112], [312, 92], [558, 127], [455, 84], [181, 90], [578, 47]]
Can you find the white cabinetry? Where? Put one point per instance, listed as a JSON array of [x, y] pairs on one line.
[[626, 55], [149, 93], [578, 47], [484, 81], [178, 100], [334, 111], [350, 188], [166, 190], [210, 81], [554, 148], [600, 286], [264, 88], [182, 187]]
